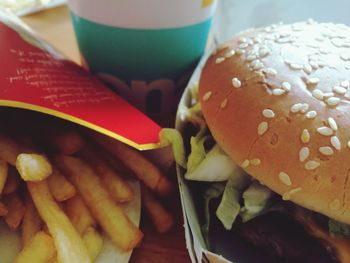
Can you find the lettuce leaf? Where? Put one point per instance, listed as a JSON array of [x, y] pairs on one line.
[[338, 229], [229, 207], [256, 200], [198, 151], [173, 137], [215, 167], [214, 191]]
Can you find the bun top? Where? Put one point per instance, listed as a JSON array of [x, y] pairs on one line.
[[277, 100]]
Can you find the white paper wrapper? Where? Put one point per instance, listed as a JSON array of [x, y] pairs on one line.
[[194, 239]]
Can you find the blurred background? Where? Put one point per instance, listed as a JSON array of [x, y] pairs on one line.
[[233, 16]]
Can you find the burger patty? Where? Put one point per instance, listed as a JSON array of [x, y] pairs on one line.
[[285, 240], [275, 237]]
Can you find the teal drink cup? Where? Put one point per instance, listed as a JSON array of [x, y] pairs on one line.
[[145, 50]]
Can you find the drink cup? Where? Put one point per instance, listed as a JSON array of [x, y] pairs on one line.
[[145, 50]]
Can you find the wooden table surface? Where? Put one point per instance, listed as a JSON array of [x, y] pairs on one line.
[[54, 26]]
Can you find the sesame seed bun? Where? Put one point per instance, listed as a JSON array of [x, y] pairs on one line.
[[277, 100]]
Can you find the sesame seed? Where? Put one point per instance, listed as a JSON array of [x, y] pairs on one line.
[[263, 51], [251, 57], [283, 40], [310, 21], [243, 45], [236, 83], [278, 92], [262, 128], [323, 63], [223, 104], [304, 153], [348, 144], [286, 86], [270, 71], [207, 95], [295, 66], [345, 84], [268, 113], [256, 40], [333, 101], [307, 68], [304, 108], [324, 50], [319, 38], [337, 42], [219, 60], [332, 123], [256, 64], [335, 143], [286, 196], [268, 29], [318, 94], [345, 56], [296, 107], [242, 39], [297, 27], [326, 150], [255, 162], [311, 114], [328, 94], [245, 163], [325, 131], [284, 178], [313, 81], [230, 53], [311, 165], [305, 136], [339, 90], [335, 204], [240, 51], [313, 64]]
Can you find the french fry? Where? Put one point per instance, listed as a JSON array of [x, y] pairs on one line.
[[93, 242], [146, 171], [161, 218], [33, 167], [3, 210], [60, 187], [3, 174], [31, 223], [40, 249], [79, 214], [13, 181], [65, 141], [69, 245], [109, 215], [16, 210], [115, 185]]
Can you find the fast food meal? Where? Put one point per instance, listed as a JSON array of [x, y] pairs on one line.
[[62, 194], [267, 140]]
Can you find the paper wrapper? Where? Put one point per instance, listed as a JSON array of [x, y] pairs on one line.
[[38, 78], [195, 242]]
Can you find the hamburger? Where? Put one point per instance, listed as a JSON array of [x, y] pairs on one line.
[[267, 139]]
